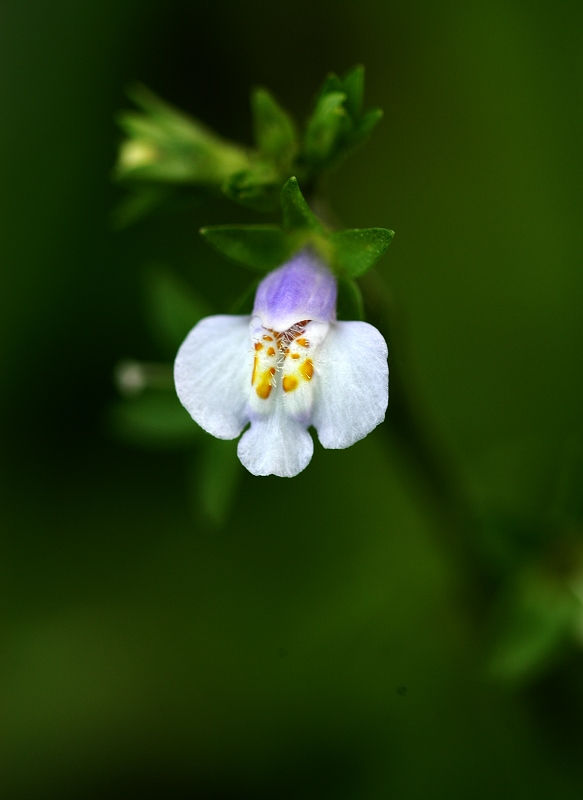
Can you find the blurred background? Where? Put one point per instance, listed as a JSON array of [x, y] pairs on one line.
[[374, 633]]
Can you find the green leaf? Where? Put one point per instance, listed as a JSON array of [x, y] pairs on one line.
[[357, 250], [172, 308], [349, 304], [258, 247], [216, 479], [274, 129], [353, 85], [332, 83], [155, 420], [324, 129], [257, 187], [297, 214], [365, 126]]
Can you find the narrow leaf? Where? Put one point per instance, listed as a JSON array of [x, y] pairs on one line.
[[258, 247], [353, 85], [297, 214], [365, 126], [357, 250], [274, 129], [324, 128], [332, 83]]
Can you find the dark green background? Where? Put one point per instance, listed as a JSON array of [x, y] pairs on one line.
[[320, 645]]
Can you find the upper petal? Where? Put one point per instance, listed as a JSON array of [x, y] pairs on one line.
[[351, 384], [276, 444], [302, 289], [212, 373]]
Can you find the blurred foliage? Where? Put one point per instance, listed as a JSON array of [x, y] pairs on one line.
[[165, 145]]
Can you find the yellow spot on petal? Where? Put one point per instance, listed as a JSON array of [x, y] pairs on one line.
[[264, 389], [258, 346], [307, 369], [270, 351], [295, 355], [254, 370], [290, 383], [267, 338], [303, 342]]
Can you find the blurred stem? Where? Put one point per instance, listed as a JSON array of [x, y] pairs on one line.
[[407, 426]]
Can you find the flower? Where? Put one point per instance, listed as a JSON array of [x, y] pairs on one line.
[[289, 366]]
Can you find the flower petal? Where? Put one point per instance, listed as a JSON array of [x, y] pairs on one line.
[[276, 444], [351, 384], [211, 373], [303, 288]]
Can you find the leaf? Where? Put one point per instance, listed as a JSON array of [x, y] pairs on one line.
[[258, 247], [257, 187], [365, 126], [274, 129], [332, 83], [172, 308], [297, 214], [357, 250], [217, 479], [154, 419], [353, 86], [349, 304], [324, 128]]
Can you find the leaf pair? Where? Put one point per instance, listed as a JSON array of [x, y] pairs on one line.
[[349, 253]]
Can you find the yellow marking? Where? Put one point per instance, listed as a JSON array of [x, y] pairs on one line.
[[254, 370], [307, 369], [295, 355], [264, 389], [270, 351], [268, 338], [303, 342], [258, 346], [290, 383]]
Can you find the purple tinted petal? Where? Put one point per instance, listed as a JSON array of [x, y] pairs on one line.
[[304, 288]]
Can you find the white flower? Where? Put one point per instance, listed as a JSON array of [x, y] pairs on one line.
[[289, 366]]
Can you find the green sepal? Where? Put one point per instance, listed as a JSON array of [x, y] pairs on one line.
[[258, 247], [297, 214], [172, 308], [356, 250], [155, 420], [274, 129], [349, 304], [324, 128]]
